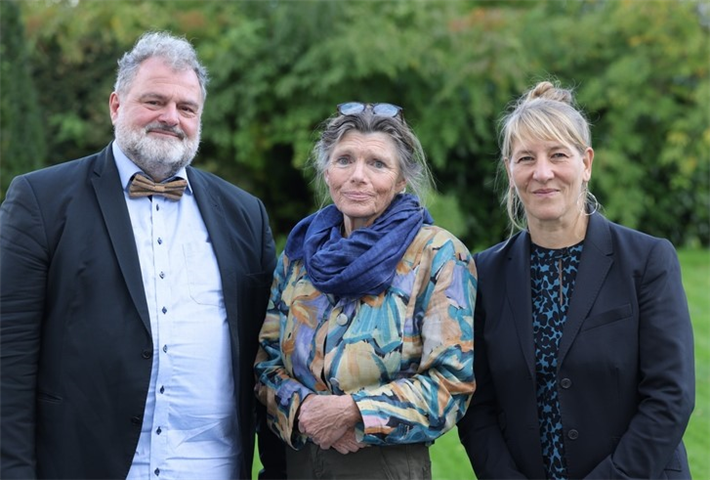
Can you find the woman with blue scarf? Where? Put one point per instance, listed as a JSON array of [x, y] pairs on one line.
[[366, 353]]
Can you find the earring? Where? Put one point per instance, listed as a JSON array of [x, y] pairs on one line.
[[592, 200], [589, 200]]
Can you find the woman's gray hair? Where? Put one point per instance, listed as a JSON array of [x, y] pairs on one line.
[[176, 52], [412, 160]]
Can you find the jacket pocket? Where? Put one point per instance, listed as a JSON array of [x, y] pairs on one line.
[[605, 318]]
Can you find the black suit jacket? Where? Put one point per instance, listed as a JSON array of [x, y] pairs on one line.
[[626, 381], [75, 330]]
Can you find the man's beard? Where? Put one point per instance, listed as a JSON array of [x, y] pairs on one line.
[[160, 158]]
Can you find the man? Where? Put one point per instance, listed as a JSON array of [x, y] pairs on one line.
[[130, 312]]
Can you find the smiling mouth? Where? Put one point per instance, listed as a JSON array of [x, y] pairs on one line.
[[356, 194]]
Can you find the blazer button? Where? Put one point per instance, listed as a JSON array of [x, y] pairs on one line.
[[136, 420], [573, 434], [147, 354], [565, 383]]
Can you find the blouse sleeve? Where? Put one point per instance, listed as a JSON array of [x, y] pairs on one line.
[[424, 406], [276, 389]]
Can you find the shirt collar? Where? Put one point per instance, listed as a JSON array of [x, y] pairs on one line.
[[126, 169]]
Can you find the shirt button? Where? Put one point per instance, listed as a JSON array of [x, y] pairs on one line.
[[165, 348], [162, 274], [573, 434], [165, 310], [565, 383], [147, 354], [162, 389], [156, 471], [160, 242], [342, 319], [158, 431]]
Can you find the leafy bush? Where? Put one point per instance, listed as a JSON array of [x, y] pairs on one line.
[[279, 68]]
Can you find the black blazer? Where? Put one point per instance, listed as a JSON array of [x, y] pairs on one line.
[[626, 379], [75, 330]]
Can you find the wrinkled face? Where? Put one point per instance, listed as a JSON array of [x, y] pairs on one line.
[[363, 176], [548, 176], [157, 122]]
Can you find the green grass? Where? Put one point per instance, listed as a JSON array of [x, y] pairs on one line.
[[449, 460], [696, 280]]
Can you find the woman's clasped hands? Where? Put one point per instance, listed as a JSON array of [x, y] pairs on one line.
[[329, 421]]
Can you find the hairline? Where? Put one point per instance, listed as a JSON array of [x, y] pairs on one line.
[[410, 156], [176, 52]]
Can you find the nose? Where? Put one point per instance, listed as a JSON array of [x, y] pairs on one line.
[[358, 171], [543, 170], [169, 114]]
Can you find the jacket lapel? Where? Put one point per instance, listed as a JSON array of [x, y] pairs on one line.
[[109, 193], [594, 265], [519, 297]]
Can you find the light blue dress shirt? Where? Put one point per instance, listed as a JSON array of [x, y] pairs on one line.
[[189, 424]]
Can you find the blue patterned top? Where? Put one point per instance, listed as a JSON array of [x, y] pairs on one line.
[[552, 275], [405, 355]]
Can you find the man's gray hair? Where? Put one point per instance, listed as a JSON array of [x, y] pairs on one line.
[[176, 52]]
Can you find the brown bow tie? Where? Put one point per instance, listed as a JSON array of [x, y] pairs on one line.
[[142, 186]]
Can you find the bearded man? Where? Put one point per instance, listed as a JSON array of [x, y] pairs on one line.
[[132, 290]]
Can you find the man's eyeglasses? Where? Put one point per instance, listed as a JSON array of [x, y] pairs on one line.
[[380, 109]]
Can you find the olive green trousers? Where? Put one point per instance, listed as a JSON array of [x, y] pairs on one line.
[[390, 462]]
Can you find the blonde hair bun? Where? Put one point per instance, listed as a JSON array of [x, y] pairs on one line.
[[547, 90]]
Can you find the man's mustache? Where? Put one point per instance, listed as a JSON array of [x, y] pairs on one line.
[[156, 127]]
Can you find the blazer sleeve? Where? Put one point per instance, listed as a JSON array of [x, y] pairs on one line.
[[667, 372], [24, 261], [479, 431]]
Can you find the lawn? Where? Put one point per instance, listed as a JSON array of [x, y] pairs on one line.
[[696, 279], [449, 460]]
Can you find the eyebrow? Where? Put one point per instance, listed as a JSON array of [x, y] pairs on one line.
[[348, 152], [556, 146], [158, 96]]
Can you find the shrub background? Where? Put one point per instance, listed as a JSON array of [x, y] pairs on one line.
[[640, 69]]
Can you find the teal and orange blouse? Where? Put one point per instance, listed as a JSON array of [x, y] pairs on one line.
[[405, 355]]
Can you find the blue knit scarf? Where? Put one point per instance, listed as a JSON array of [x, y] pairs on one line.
[[363, 263]]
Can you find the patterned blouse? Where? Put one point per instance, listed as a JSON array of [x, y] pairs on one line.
[[405, 355], [553, 274]]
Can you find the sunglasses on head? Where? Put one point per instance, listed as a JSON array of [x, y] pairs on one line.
[[380, 109]]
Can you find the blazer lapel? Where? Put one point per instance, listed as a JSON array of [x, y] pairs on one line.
[[109, 193], [594, 265], [518, 296]]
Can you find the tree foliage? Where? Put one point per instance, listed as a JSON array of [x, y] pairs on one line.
[[21, 135], [279, 68]]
